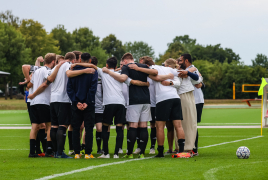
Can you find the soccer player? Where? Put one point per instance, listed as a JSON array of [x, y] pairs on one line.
[[81, 90]]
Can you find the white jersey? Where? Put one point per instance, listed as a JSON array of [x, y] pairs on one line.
[[40, 76], [30, 92], [163, 93], [99, 108], [112, 89], [32, 69], [198, 94], [152, 92]]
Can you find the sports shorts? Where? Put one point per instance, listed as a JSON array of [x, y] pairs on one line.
[[40, 113], [168, 110], [61, 113], [139, 113], [98, 117], [114, 112]]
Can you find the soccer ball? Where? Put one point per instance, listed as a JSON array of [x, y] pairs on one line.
[[242, 152]]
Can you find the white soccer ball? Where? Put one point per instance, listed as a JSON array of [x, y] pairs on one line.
[[243, 152]]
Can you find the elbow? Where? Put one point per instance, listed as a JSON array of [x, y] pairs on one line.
[[68, 74], [155, 73]]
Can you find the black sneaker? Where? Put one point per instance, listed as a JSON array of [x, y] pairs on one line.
[[159, 156], [49, 155], [33, 155]]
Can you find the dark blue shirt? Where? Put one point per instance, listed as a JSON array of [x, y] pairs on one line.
[[82, 88]]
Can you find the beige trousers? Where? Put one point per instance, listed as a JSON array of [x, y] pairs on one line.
[[189, 122]]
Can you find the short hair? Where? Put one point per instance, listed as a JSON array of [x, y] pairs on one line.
[[147, 60], [127, 56], [85, 57], [171, 62], [94, 60], [70, 56], [112, 62], [49, 57], [77, 53], [187, 56], [58, 57]]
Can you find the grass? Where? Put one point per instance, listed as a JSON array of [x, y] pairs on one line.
[[217, 162], [12, 104]]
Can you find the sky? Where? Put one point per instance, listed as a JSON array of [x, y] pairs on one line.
[[241, 25]]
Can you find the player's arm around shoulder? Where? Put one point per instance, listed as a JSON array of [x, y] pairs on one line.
[[144, 68]]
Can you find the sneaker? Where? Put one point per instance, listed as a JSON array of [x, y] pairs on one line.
[[120, 151], [63, 155], [42, 154], [152, 151], [141, 156], [49, 155], [90, 156], [100, 152], [137, 151], [128, 156], [71, 152], [82, 151], [116, 156], [33, 155], [77, 156], [104, 156], [159, 156], [194, 153], [181, 155], [168, 152]]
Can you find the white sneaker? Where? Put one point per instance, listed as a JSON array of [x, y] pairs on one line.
[[152, 151], [120, 151], [104, 156], [71, 153], [137, 151], [116, 156]]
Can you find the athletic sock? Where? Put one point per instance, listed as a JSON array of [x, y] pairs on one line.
[[37, 146], [61, 137], [105, 139], [83, 146], [123, 140], [53, 136], [119, 139], [138, 137], [70, 137], [143, 139], [32, 146], [160, 150], [98, 140], [43, 138], [181, 143], [196, 143], [49, 147], [131, 138], [153, 137]]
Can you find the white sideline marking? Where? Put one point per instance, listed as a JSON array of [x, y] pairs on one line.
[[114, 163], [15, 124], [13, 111], [14, 149], [230, 123]]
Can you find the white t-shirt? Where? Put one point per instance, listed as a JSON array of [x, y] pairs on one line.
[[152, 92], [59, 86], [163, 93], [99, 108], [32, 69], [112, 89], [40, 76], [198, 93]]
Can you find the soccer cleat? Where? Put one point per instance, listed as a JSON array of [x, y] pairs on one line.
[[181, 155], [128, 156], [63, 155], [194, 153], [116, 156], [90, 156], [49, 155], [137, 151], [104, 156], [159, 156], [141, 156], [82, 151], [120, 151], [77, 156], [100, 152], [152, 151], [71, 152], [42, 154], [33, 155]]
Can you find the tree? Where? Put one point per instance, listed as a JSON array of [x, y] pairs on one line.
[[260, 60], [37, 39], [113, 46], [139, 49], [100, 54], [64, 38], [10, 19], [84, 39]]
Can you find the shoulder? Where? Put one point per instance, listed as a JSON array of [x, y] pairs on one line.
[[142, 65]]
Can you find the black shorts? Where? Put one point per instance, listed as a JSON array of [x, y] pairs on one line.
[[116, 112], [60, 113], [87, 116], [98, 118], [199, 109], [40, 113], [153, 114], [29, 111], [168, 110]]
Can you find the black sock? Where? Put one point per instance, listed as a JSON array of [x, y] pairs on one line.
[[37, 146], [131, 138], [119, 139], [196, 143], [61, 137], [105, 139], [143, 139], [70, 137], [32, 146], [153, 137], [53, 136], [49, 147], [181, 143], [98, 140], [123, 140], [138, 137], [160, 150], [43, 138]]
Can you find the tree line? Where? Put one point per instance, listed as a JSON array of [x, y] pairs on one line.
[[23, 40]]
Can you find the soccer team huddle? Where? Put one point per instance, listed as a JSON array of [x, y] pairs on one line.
[[71, 92]]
